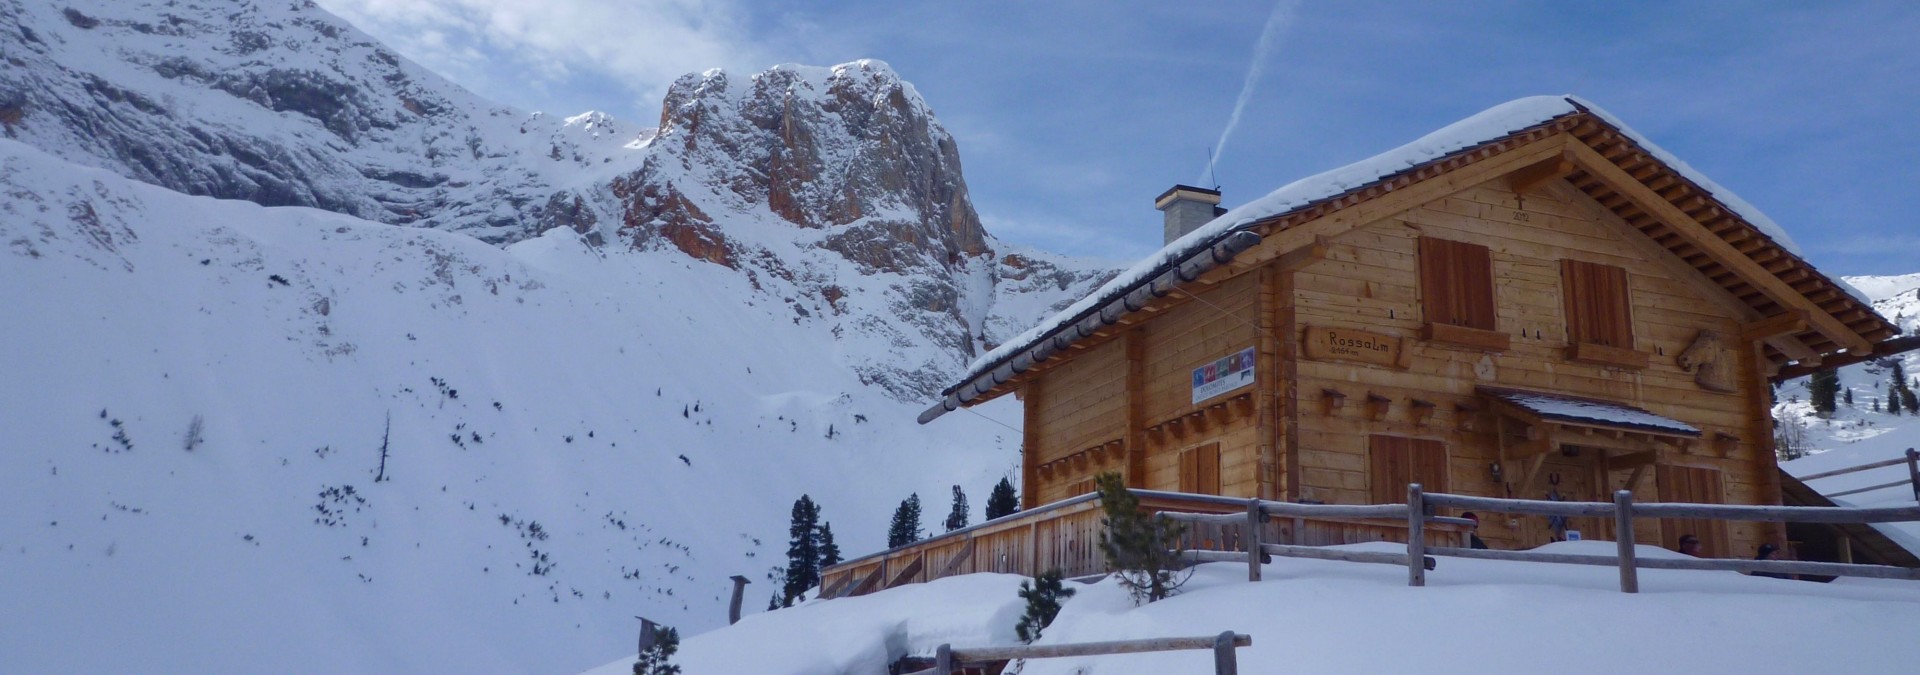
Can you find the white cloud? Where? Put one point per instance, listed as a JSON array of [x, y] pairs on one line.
[[498, 46]]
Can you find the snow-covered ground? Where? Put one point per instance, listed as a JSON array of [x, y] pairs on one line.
[[574, 436], [1310, 616]]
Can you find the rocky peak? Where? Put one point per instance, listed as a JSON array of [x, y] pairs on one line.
[[851, 149]]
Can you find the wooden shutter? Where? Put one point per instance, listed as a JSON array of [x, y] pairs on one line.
[[1200, 469], [1395, 461], [1599, 305], [1456, 283], [1695, 486]]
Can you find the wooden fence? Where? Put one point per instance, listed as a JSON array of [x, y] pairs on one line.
[[1911, 459], [1419, 556], [1065, 535], [1223, 645]]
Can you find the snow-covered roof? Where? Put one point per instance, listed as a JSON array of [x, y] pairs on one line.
[[1488, 126], [1589, 412]]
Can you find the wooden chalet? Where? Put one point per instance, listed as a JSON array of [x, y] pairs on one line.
[[1535, 302]]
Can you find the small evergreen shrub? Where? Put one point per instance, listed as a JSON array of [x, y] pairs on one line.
[[1043, 596]]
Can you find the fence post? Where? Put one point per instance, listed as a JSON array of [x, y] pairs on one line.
[[1913, 471], [1251, 539], [943, 660], [1623, 532], [1416, 536], [739, 589], [1224, 662]]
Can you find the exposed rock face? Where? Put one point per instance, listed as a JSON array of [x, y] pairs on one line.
[[852, 147], [835, 190], [282, 104]]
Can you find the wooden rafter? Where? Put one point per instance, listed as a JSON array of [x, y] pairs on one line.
[[1696, 234]]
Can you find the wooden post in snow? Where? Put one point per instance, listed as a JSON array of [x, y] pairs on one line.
[[1416, 536], [739, 590], [1913, 471], [1251, 541], [943, 660], [1623, 532], [1224, 662]]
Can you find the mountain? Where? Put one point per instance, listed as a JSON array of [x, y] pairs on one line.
[[796, 177], [318, 362]]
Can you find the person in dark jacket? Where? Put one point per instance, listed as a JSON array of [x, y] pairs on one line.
[[1769, 552], [1473, 532]]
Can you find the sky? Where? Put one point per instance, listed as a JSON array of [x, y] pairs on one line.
[[1071, 116]]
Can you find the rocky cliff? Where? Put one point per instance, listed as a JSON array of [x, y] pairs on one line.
[[834, 190]]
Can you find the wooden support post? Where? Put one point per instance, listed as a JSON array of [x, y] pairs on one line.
[[1913, 471], [1224, 662], [739, 591], [1250, 540], [1416, 536], [1623, 532], [943, 660]]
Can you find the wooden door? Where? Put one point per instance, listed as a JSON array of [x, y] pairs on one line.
[[1696, 486], [1395, 461]]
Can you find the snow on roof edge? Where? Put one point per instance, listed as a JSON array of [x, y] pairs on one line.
[[1492, 123], [1740, 207], [1489, 124]]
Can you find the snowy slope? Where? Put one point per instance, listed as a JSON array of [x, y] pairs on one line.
[[1859, 434], [653, 415], [1898, 299], [1307, 616], [826, 188]]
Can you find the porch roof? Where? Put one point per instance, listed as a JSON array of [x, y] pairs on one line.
[[1586, 412]]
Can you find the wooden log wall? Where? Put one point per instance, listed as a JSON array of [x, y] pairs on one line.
[[1085, 418], [1370, 282]]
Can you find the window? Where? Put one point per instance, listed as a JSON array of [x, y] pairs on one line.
[[1599, 307], [1456, 283], [1395, 461], [1200, 469]]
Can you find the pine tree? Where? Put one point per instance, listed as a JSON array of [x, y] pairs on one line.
[[1847, 396], [1138, 547], [803, 552], [1043, 604], [656, 658], [905, 528], [1893, 399], [829, 551], [1910, 401], [1821, 389], [1003, 501], [957, 518], [773, 602]]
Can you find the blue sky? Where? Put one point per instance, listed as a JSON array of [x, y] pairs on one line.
[[1071, 116]]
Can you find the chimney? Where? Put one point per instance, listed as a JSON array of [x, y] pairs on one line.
[[1187, 208]]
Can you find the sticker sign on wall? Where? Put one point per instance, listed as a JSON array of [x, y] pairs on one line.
[[1224, 375]]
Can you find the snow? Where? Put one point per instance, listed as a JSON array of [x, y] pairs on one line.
[[1487, 125], [1474, 616], [1562, 407], [295, 334], [1856, 434]]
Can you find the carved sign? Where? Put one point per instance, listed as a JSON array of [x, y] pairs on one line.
[[1347, 344], [1709, 361]]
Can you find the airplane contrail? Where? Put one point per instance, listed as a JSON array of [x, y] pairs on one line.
[[1276, 22]]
